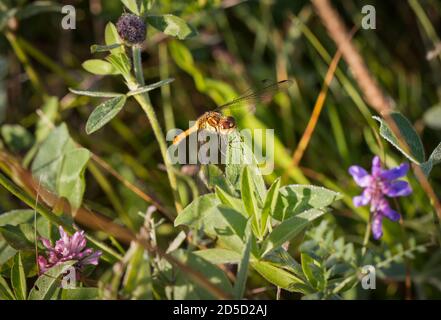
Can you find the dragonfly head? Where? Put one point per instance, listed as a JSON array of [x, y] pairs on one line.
[[227, 124]]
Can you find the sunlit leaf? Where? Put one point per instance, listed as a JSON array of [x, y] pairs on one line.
[[80, 294], [104, 112], [97, 94], [408, 133], [20, 237], [150, 87], [172, 26], [18, 278], [280, 277], [47, 283], [218, 255], [294, 199], [99, 67], [289, 228], [5, 291]]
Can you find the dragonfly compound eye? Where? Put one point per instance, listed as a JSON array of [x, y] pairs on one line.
[[231, 122]]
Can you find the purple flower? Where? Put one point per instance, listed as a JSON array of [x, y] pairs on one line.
[[377, 185], [66, 249], [131, 28]]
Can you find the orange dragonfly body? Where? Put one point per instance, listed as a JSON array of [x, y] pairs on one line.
[[216, 122]]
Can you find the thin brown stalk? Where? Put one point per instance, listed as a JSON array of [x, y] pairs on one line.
[[318, 107], [97, 221], [370, 88]]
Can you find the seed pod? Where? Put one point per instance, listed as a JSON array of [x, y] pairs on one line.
[[131, 29]]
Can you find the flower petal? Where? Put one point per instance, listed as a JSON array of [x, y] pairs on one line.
[[396, 172], [376, 166], [92, 259], [398, 188], [362, 199], [46, 243], [360, 175], [377, 226], [387, 211]]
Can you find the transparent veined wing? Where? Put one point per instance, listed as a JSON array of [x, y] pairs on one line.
[[250, 98]]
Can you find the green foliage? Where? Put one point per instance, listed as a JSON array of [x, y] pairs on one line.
[[239, 230], [99, 67], [16, 137], [224, 217], [18, 278], [59, 166], [408, 133], [411, 137], [47, 285], [172, 25], [103, 113]]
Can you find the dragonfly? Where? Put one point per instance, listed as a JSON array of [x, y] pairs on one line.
[[217, 122]]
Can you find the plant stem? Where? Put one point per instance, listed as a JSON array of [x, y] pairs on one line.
[[144, 101], [22, 57], [366, 236], [165, 90]]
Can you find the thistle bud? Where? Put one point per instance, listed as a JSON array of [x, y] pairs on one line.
[[131, 28]]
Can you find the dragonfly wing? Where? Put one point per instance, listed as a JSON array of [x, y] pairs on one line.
[[249, 100]]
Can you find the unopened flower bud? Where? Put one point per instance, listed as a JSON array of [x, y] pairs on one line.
[[131, 28]]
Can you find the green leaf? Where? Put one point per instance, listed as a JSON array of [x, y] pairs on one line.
[[103, 113], [98, 94], [112, 37], [18, 278], [71, 180], [47, 283], [120, 62], [269, 205], [215, 178], [242, 273], [250, 201], [219, 256], [172, 26], [282, 259], [280, 277], [99, 67], [138, 280], [38, 7], [193, 214], [80, 294], [307, 261], [20, 237], [294, 199], [150, 87], [408, 133], [239, 156], [100, 48], [289, 228], [16, 217], [229, 200], [16, 137], [50, 111], [5, 291], [432, 117], [217, 221], [59, 166], [132, 5], [211, 272], [434, 159]]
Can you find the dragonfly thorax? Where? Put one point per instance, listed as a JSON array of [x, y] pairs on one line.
[[215, 121]]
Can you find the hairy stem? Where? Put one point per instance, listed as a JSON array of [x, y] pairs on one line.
[[144, 101]]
